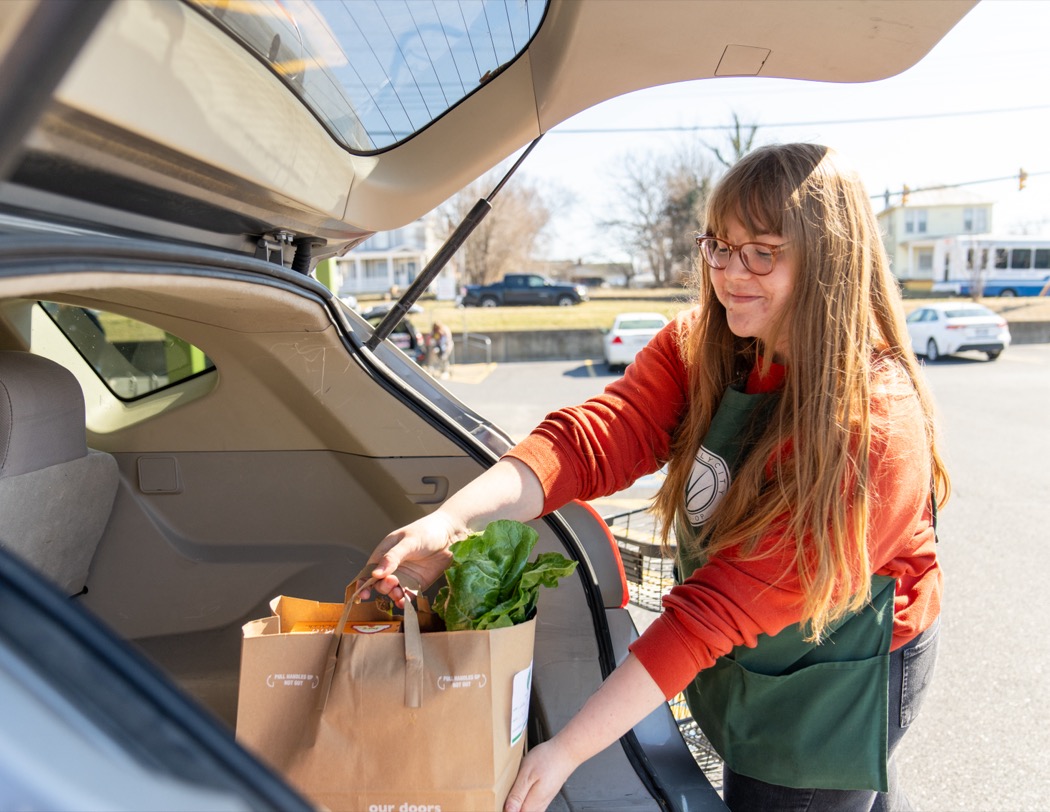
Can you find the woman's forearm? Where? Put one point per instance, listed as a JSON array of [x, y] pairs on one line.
[[622, 701], [507, 490]]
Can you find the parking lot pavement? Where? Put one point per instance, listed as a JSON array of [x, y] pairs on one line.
[[471, 373]]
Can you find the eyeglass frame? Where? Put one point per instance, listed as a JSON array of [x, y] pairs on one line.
[[774, 250]]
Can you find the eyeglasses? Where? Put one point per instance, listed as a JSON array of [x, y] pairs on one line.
[[758, 257]]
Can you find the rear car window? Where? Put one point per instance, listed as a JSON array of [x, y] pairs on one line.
[[376, 73], [968, 312], [133, 359], [641, 324]]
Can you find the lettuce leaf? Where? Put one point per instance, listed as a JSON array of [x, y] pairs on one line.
[[491, 583]]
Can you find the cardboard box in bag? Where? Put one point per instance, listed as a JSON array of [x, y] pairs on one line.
[[403, 722]]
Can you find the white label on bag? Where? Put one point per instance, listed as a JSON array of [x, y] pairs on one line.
[[519, 703], [293, 680], [462, 681]]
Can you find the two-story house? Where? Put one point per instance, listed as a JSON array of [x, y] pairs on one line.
[[912, 225], [389, 261]]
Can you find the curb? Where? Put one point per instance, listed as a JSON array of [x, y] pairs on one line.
[[1029, 332], [579, 345]]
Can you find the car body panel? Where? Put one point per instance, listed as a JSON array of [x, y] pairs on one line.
[[628, 335], [80, 700], [954, 327], [518, 289], [231, 154]]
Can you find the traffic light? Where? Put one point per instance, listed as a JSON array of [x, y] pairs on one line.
[[1022, 176], [904, 195]]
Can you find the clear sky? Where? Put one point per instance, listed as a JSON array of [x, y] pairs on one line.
[[976, 108]]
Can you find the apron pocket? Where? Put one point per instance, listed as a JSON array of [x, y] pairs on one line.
[[821, 727]]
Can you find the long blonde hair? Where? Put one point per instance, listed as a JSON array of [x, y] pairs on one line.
[[844, 318]]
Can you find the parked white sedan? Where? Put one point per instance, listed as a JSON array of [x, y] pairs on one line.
[[944, 328], [630, 332]]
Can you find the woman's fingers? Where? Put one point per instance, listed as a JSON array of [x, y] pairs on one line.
[[410, 558]]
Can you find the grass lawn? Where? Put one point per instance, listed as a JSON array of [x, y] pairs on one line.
[[596, 314], [120, 329], [605, 304]]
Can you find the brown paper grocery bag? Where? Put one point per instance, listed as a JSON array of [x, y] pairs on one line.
[[403, 723]]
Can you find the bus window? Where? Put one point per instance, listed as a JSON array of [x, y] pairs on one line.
[[1042, 259], [1001, 255], [1021, 258]]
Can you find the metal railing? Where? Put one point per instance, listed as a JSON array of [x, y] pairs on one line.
[[484, 341]]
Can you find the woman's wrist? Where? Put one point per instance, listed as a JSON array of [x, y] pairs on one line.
[[507, 490]]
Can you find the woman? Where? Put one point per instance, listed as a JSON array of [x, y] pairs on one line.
[[440, 349], [802, 477]]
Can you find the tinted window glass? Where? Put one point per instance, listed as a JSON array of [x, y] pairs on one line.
[[1021, 258], [376, 73], [641, 324], [968, 312], [133, 359]]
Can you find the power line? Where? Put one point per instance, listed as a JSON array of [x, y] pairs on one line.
[[729, 127], [940, 186]]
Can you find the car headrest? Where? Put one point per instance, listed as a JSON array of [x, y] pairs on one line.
[[41, 414]]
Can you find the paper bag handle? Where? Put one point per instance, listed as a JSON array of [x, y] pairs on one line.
[[413, 651]]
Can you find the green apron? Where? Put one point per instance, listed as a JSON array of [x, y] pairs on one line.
[[789, 712]]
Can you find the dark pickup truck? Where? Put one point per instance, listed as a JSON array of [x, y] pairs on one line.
[[523, 289]]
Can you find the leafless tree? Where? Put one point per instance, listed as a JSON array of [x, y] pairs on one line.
[[509, 236], [741, 142], [977, 268], [662, 197]]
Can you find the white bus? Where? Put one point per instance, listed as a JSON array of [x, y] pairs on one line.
[[995, 266]]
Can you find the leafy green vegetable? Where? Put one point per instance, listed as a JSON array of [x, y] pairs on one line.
[[491, 583]]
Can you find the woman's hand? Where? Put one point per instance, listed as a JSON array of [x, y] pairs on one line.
[[543, 771], [414, 556], [623, 700], [418, 553]]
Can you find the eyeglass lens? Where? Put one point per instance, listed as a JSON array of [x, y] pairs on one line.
[[757, 257]]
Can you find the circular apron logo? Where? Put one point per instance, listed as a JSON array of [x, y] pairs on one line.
[[708, 483]]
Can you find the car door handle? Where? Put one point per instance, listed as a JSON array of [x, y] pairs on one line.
[[439, 492]]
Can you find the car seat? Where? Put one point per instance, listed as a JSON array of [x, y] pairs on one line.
[[56, 494]]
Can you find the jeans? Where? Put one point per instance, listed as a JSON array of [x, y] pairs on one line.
[[911, 671]]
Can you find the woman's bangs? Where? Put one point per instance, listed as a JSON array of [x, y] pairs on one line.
[[756, 214], [747, 200]]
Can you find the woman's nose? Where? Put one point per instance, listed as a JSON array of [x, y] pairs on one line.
[[736, 266]]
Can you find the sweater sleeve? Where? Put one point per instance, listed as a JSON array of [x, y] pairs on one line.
[[603, 445]]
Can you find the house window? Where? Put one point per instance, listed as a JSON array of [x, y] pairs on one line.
[[380, 241], [376, 270], [924, 258], [975, 220], [915, 221], [405, 271]]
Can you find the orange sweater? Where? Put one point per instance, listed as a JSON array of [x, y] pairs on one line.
[[602, 446]]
